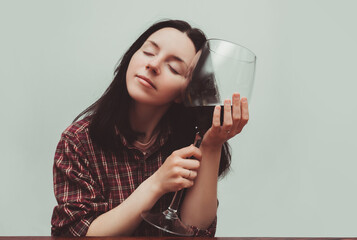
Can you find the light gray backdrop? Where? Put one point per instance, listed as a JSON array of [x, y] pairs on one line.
[[294, 166]]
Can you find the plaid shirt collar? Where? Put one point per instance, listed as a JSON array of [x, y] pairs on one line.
[[161, 139]]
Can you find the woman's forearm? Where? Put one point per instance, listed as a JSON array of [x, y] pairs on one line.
[[125, 218], [199, 207]]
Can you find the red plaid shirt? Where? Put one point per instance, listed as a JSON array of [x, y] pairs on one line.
[[89, 182]]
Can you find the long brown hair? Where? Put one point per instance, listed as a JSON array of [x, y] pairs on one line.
[[111, 110]]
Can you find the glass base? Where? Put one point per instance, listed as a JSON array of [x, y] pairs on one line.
[[168, 221]]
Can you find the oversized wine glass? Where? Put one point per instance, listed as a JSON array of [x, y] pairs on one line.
[[218, 70]]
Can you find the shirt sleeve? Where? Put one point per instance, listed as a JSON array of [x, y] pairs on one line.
[[78, 196], [209, 232]]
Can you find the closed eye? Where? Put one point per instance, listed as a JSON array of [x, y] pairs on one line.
[[148, 53], [173, 70]]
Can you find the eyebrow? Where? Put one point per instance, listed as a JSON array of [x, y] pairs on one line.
[[173, 56]]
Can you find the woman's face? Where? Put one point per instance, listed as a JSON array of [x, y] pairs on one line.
[[156, 72]]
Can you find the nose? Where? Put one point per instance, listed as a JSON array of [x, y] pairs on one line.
[[153, 66]]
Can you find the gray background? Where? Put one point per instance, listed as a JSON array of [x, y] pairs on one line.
[[294, 166]]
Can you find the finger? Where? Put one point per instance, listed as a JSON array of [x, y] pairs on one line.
[[245, 114], [190, 164], [188, 152], [227, 118], [216, 121], [236, 115], [186, 183], [193, 175], [189, 174]]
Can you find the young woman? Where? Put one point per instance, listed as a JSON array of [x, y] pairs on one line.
[[132, 149]]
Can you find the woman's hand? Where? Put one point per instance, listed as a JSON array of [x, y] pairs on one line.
[[233, 122], [178, 171]]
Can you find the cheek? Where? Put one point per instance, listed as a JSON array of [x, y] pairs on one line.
[[175, 87], [133, 65], [135, 61]]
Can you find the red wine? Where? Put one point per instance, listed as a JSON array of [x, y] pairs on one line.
[[203, 117]]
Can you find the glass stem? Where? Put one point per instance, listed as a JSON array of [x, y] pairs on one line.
[[177, 197]]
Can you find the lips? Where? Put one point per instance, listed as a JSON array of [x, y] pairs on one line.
[[146, 80]]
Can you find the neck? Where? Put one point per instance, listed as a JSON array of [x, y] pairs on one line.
[[144, 118]]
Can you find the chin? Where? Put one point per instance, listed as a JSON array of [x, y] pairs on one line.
[[148, 100], [141, 97]]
